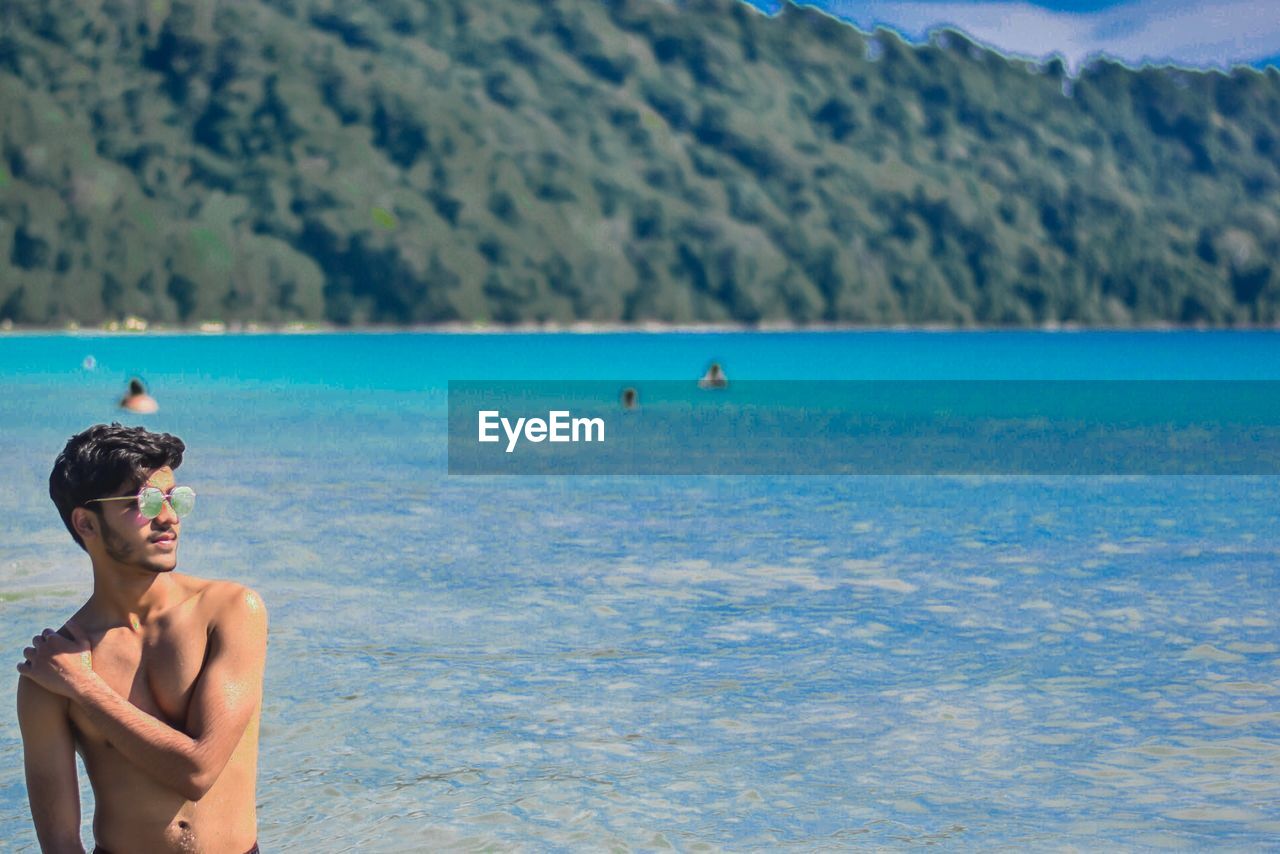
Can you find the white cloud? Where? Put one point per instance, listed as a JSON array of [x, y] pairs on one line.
[[1192, 32]]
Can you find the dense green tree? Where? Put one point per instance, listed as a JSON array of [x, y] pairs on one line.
[[422, 161]]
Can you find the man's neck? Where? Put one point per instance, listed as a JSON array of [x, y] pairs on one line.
[[130, 596]]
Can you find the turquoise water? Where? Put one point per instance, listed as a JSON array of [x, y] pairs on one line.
[[696, 663]]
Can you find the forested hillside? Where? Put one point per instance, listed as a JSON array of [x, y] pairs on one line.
[[420, 161]]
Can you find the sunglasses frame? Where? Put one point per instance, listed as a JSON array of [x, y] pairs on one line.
[[167, 497]]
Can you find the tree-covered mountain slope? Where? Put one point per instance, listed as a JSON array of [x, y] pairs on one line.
[[419, 161]]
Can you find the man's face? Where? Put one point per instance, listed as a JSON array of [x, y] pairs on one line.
[[130, 538]]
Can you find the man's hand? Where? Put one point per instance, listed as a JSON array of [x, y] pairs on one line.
[[60, 662]]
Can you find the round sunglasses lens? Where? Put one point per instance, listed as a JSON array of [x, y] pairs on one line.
[[150, 502], [183, 500]]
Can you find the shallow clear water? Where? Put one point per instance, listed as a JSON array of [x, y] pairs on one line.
[[737, 663]]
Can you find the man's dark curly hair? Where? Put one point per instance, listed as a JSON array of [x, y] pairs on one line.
[[105, 459]]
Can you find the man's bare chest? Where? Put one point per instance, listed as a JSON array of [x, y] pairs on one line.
[[155, 669]]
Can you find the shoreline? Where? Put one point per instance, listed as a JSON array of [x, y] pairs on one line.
[[212, 330]]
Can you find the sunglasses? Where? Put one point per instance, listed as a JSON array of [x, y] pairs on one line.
[[151, 500]]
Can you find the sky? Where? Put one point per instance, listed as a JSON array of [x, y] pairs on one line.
[[1200, 33]]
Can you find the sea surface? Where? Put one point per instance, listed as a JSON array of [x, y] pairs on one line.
[[690, 663]]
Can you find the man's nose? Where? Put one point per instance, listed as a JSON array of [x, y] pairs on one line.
[[166, 515]]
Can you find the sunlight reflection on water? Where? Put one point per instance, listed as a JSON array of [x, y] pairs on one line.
[[503, 664]]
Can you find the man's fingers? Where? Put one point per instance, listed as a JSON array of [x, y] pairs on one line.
[[37, 639], [29, 653]]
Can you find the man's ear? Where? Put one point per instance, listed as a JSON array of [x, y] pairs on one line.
[[85, 522]]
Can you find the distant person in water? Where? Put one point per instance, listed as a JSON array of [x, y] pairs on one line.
[[629, 399], [714, 377], [137, 399]]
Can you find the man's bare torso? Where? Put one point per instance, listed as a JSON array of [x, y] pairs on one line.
[[157, 668]]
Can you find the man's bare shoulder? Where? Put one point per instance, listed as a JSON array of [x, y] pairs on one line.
[[228, 604], [80, 618]]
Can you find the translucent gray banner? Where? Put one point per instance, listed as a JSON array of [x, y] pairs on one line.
[[865, 427]]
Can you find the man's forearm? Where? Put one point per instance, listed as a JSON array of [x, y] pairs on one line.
[[67, 843], [169, 755]]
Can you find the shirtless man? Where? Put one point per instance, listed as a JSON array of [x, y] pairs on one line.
[[156, 681]]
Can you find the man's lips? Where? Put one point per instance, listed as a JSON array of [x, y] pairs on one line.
[[164, 539]]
